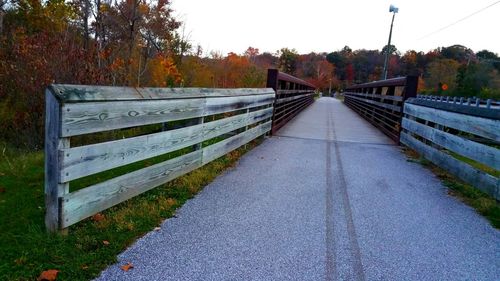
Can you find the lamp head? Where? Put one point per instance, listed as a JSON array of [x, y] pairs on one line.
[[393, 8]]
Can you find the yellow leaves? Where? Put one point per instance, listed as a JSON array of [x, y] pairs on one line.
[[48, 275], [163, 71], [104, 7]]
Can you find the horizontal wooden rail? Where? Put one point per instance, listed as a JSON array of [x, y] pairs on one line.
[[229, 117], [381, 102], [468, 101], [440, 136], [292, 96]]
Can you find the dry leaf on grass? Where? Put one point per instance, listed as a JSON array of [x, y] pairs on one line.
[[127, 267], [48, 275], [98, 217], [157, 229], [105, 242]]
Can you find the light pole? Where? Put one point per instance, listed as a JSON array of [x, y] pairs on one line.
[[393, 10]]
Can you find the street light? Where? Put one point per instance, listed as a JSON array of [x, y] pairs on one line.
[[393, 10]]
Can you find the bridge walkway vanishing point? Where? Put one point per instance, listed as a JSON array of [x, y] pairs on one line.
[[329, 198]]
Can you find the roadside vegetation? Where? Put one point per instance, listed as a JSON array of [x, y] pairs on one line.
[[91, 245], [84, 42], [483, 203]]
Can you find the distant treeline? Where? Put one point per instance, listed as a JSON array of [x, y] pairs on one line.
[[140, 43]]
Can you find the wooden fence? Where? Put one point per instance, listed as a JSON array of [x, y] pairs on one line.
[[292, 96], [457, 138], [221, 119], [381, 102], [470, 101]]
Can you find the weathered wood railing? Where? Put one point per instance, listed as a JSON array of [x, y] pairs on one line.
[[470, 101], [79, 110], [449, 134], [292, 96], [381, 102]]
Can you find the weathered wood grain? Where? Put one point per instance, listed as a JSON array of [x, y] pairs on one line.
[[53, 189], [219, 149], [86, 160], [83, 93], [91, 117], [487, 155], [88, 201], [483, 127], [463, 108], [467, 173]]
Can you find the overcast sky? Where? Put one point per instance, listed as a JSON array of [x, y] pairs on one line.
[[328, 25]]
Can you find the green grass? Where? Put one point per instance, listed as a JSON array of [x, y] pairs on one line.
[[477, 165], [27, 250], [482, 202]]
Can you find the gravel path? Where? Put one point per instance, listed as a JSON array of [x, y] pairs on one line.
[[331, 198]]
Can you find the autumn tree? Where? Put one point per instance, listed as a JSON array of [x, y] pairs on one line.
[[442, 71], [287, 60], [128, 42]]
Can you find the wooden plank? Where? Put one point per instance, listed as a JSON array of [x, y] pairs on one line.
[[91, 117], [379, 104], [483, 127], [53, 143], [86, 160], [465, 172], [221, 148], [487, 155], [488, 113], [84, 93], [83, 203], [86, 202]]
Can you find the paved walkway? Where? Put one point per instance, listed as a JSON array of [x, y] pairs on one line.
[[331, 198]]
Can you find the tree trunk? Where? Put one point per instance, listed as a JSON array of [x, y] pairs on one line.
[[2, 14], [86, 11]]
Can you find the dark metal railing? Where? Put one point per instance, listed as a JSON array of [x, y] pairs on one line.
[[292, 96], [381, 102]]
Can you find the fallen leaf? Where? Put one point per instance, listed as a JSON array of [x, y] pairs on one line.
[[48, 275], [157, 229], [105, 242], [98, 217], [85, 267], [2, 174], [127, 267]]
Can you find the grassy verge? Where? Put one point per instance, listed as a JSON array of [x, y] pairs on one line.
[[27, 250], [482, 202]]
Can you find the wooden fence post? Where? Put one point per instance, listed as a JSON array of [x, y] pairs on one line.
[[53, 143], [272, 82]]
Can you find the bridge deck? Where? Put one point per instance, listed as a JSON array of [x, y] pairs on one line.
[[331, 198]]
